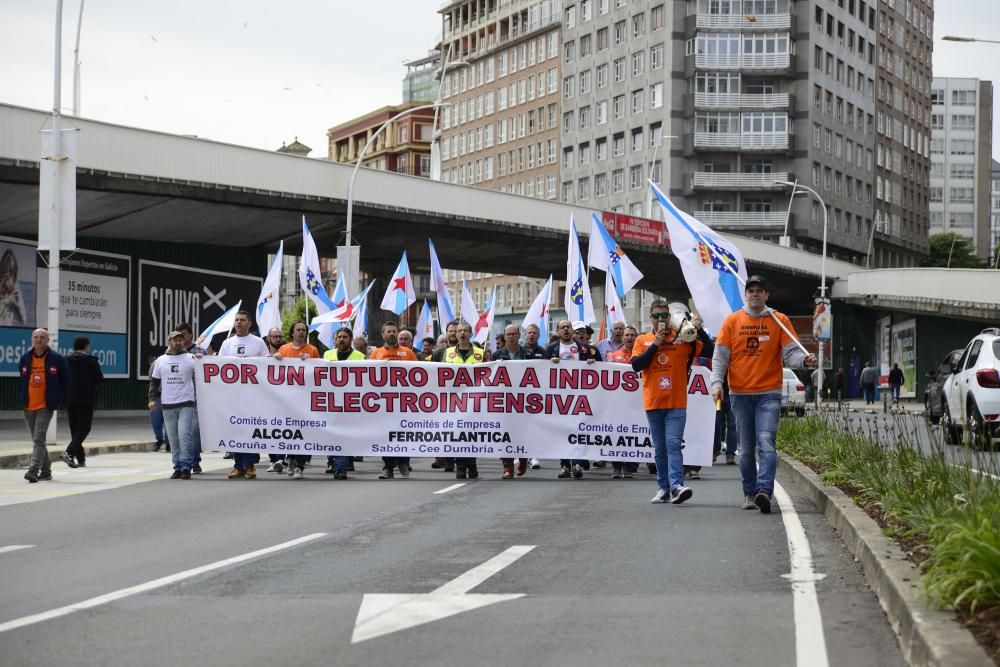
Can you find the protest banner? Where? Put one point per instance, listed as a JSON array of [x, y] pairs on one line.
[[536, 409]]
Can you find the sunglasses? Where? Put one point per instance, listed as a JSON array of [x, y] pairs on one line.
[[660, 316]]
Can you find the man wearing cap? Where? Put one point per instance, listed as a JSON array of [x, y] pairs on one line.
[[171, 384], [749, 351], [570, 348]]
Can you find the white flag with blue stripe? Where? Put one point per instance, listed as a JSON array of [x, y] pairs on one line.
[[605, 254], [710, 264], [268, 314], [484, 323], [579, 305], [310, 276], [339, 298], [222, 325], [425, 326], [399, 293], [446, 312], [349, 311], [612, 304], [538, 314]]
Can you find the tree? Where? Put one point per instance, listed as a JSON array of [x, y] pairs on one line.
[[297, 313], [957, 247]]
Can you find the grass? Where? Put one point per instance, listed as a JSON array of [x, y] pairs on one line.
[[952, 509]]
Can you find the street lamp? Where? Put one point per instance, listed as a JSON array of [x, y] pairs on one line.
[[348, 254], [954, 38], [871, 239], [435, 130], [822, 286], [652, 166], [786, 241], [76, 63]]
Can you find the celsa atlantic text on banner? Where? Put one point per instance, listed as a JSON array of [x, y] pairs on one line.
[[536, 409]]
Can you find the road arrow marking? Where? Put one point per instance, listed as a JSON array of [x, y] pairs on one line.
[[383, 614], [15, 547]]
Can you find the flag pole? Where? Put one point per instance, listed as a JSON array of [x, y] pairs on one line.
[[767, 309]]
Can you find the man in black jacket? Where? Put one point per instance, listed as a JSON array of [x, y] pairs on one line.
[[84, 376], [41, 390]]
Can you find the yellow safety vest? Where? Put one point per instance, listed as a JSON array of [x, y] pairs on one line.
[[331, 355], [478, 356]]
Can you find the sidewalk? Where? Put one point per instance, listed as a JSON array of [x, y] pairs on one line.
[[906, 406], [109, 434]]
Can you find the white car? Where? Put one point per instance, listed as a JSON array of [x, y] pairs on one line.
[[793, 393], [972, 392]]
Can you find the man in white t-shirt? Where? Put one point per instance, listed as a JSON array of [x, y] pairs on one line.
[[171, 384], [243, 344]]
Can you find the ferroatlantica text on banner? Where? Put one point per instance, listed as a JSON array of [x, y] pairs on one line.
[[569, 410]]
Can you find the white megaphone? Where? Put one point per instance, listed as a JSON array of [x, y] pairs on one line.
[[680, 322]]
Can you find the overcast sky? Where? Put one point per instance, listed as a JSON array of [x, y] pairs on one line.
[[259, 73]]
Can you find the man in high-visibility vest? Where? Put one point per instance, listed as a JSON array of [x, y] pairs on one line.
[[342, 351], [464, 352], [391, 350]]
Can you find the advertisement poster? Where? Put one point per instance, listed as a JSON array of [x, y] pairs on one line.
[[883, 334], [94, 297], [823, 321], [170, 294], [18, 301], [904, 353]]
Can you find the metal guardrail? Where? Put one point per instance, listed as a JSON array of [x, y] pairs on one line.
[[710, 180], [741, 101], [777, 141]]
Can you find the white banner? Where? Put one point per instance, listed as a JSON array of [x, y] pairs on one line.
[[569, 410]]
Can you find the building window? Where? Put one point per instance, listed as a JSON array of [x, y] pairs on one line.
[[619, 33], [602, 39], [656, 96], [656, 18], [602, 112], [619, 106], [637, 140], [569, 87], [963, 97], [586, 79], [602, 75], [656, 57], [637, 101], [635, 176], [638, 25], [571, 17], [600, 185], [618, 144], [963, 121], [638, 63], [601, 146], [619, 70], [618, 180]]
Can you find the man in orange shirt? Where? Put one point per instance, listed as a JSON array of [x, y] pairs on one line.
[[299, 348], [665, 362], [392, 351], [750, 349], [42, 389]]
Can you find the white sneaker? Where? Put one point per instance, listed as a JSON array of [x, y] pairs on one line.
[[278, 466], [748, 503], [661, 497], [680, 494], [535, 464], [291, 471], [577, 471], [297, 474], [271, 468]]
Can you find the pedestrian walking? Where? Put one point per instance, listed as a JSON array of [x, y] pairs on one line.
[[243, 344], [391, 350], [512, 351], [895, 382], [171, 385], [298, 349], [192, 348], [342, 351], [749, 351], [571, 345], [84, 376], [42, 388], [464, 352], [869, 376]]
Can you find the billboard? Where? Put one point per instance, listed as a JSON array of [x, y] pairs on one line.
[[170, 294], [18, 301], [634, 228], [904, 353]]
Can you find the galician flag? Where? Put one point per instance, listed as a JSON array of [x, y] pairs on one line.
[[612, 304], [221, 325], [710, 264], [361, 316], [399, 293], [579, 305], [538, 314], [605, 254], [339, 298], [446, 313], [347, 312], [310, 276], [484, 323], [469, 312], [268, 314], [425, 326]]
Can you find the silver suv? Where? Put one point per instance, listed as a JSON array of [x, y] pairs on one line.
[[972, 392]]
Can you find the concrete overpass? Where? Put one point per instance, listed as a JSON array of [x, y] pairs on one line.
[[142, 184], [968, 294]]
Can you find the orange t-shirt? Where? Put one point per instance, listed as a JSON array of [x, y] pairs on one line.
[[620, 356], [36, 382], [290, 351], [664, 381], [394, 354], [755, 365]]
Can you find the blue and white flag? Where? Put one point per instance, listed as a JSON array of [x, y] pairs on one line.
[[713, 266], [268, 314], [310, 276], [469, 314], [605, 254], [538, 314], [339, 298], [446, 313], [484, 323], [579, 305], [361, 317], [349, 311], [612, 304], [425, 326], [221, 325], [399, 292]]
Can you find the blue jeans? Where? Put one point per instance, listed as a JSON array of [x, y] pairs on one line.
[[241, 460], [179, 429], [339, 463], [195, 440], [666, 428], [757, 422], [725, 429], [156, 419], [894, 391]]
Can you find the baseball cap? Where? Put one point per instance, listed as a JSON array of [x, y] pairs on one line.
[[580, 324], [758, 280], [174, 334]]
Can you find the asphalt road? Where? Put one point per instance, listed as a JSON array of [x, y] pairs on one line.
[[606, 577]]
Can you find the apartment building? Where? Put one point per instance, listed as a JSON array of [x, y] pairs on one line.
[[404, 146], [501, 130], [995, 215], [419, 82], [961, 166]]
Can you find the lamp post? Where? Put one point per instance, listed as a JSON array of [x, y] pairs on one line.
[[822, 286], [351, 256], [652, 166], [76, 63], [954, 38], [435, 130], [871, 239], [786, 241]]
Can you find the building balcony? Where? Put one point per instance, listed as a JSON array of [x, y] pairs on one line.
[[765, 62], [740, 141], [743, 22], [741, 101], [717, 219], [703, 180]]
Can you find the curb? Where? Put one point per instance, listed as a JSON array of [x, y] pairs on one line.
[[21, 458], [926, 636]]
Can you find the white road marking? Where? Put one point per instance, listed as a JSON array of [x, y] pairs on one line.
[[15, 547], [976, 470], [810, 641], [152, 585], [383, 614], [450, 488]]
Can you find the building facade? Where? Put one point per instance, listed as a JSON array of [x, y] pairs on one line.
[[404, 146], [501, 130], [995, 215], [419, 83], [961, 165]]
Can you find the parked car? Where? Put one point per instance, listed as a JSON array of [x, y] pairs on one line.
[[972, 392], [793, 394], [934, 394]]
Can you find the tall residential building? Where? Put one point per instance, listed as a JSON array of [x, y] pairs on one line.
[[902, 132], [419, 83], [995, 215], [403, 147], [961, 166], [502, 128]]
